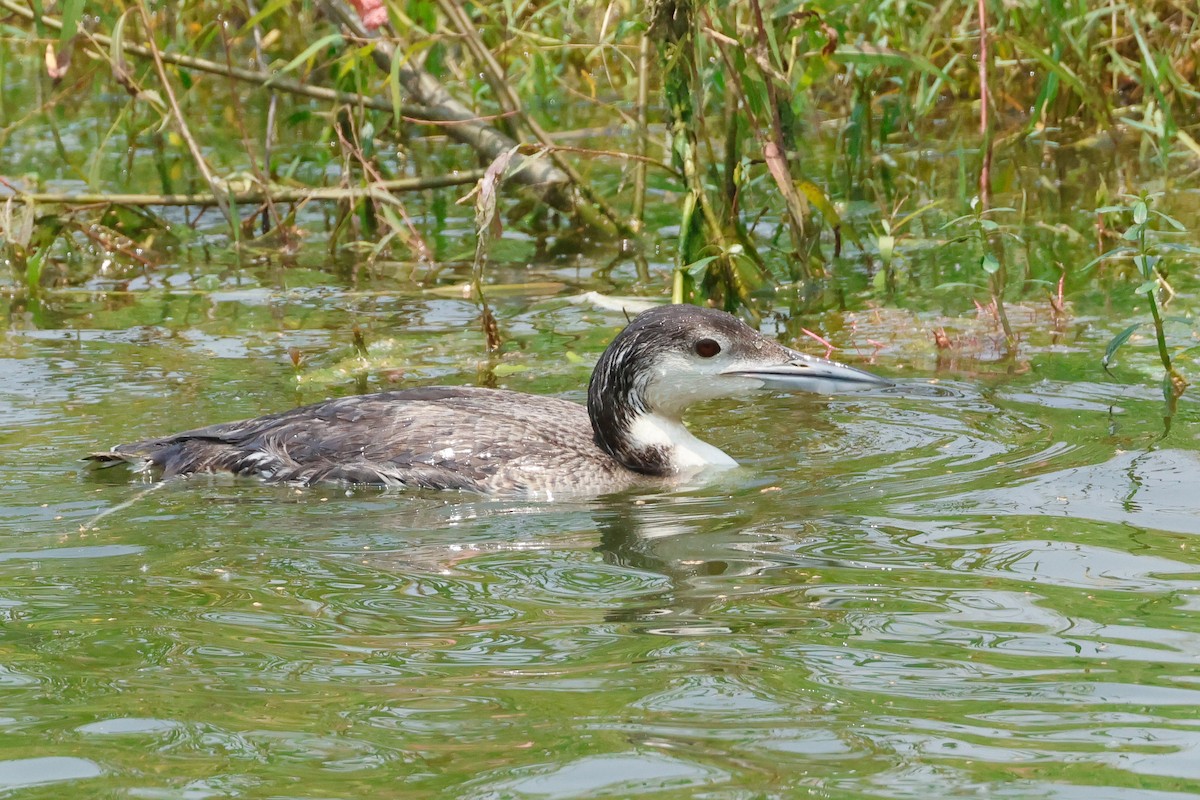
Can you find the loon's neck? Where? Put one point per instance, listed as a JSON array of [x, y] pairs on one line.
[[654, 444], [640, 438], [682, 452]]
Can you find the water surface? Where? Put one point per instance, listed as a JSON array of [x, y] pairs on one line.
[[984, 586]]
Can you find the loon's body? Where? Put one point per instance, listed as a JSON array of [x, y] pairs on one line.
[[500, 442]]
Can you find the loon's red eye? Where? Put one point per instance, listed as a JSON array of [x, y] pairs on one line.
[[707, 348]]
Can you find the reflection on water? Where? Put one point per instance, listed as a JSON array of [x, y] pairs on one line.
[[956, 590]]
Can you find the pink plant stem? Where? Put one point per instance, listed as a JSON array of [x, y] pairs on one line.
[[985, 171]]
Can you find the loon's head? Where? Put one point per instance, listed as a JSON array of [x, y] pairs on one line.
[[673, 356]]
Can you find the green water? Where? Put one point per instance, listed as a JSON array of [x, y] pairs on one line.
[[990, 589]]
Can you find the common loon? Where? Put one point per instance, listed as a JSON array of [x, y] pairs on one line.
[[495, 441]]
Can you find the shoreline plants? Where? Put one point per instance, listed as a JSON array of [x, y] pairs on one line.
[[805, 154]]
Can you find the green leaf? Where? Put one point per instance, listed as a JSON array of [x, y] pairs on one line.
[[398, 61], [394, 88], [152, 97], [1176, 247], [1047, 93], [1115, 345], [990, 264], [942, 287], [749, 274], [1064, 72], [392, 218], [816, 195], [72, 10], [33, 270], [117, 47], [876, 56], [1174, 223], [698, 267], [1140, 212], [329, 40], [773, 44], [1119, 252], [887, 248], [1146, 288], [268, 10], [956, 221], [1154, 130]]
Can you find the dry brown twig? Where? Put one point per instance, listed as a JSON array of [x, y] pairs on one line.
[[276, 193]]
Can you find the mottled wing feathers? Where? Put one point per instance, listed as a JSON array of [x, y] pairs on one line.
[[442, 438]]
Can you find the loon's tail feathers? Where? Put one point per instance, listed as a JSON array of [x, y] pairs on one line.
[[182, 455]]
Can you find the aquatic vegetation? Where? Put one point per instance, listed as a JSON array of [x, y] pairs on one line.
[[1151, 256], [785, 156]]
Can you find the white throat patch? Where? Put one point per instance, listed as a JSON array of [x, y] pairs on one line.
[[685, 452]]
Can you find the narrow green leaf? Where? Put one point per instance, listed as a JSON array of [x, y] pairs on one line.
[[1047, 93], [394, 88], [393, 218], [1177, 247], [270, 9], [773, 44], [33, 270], [1174, 223], [941, 287], [1154, 130], [117, 48], [1115, 345], [72, 10], [874, 56], [38, 13], [1119, 252], [816, 195], [1088, 95], [329, 40], [956, 221]]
